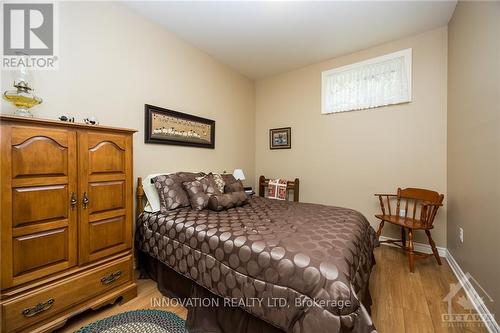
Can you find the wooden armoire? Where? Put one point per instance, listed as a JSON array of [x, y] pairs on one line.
[[66, 221]]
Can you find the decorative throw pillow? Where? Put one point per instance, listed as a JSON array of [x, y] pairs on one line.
[[200, 190], [276, 189], [224, 201], [234, 187], [172, 194], [228, 178], [219, 181]]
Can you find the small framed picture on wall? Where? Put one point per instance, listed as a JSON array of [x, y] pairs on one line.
[[280, 138]]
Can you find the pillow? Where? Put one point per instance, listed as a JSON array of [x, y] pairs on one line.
[[200, 190], [228, 178], [234, 187], [219, 181], [152, 197], [224, 201], [172, 194]]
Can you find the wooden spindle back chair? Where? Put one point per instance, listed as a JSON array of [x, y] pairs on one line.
[[411, 209]]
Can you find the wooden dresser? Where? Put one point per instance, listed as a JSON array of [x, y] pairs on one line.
[[66, 221]]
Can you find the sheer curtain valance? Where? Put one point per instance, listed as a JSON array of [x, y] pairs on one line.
[[375, 82]]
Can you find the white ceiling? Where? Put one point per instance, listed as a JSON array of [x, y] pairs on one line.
[[264, 38]]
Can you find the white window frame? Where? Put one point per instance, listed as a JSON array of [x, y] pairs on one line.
[[406, 53]]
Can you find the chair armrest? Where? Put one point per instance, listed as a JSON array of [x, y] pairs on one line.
[[381, 201]]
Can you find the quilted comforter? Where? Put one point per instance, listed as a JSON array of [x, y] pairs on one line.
[[301, 267]]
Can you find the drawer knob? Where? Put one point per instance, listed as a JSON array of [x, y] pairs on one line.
[[39, 308], [111, 277]]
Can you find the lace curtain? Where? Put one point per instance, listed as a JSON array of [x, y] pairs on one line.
[[381, 81]]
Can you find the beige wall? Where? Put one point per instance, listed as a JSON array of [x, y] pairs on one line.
[[343, 159], [474, 143], [113, 61]]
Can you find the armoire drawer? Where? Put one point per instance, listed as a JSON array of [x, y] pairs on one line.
[[47, 301]]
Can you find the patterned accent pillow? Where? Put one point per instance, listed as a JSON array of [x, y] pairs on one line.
[[200, 190], [234, 187], [225, 201], [277, 189], [172, 194], [219, 181]]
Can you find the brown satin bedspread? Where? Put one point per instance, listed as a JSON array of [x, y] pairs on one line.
[[315, 258]]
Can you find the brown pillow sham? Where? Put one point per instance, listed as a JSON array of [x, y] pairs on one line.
[[172, 194], [218, 202], [219, 182], [237, 186], [200, 190], [228, 178]]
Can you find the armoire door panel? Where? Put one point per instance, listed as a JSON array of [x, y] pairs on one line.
[[39, 155], [107, 233], [107, 215], [39, 227], [39, 204], [21, 134], [105, 180], [40, 250], [97, 138], [39, 181], [106, 157], [106, 196], [39, 174]]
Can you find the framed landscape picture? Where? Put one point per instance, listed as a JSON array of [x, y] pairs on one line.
[[280, 138], [169, 127]]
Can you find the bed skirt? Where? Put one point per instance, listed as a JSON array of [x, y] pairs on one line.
[[211, 319]]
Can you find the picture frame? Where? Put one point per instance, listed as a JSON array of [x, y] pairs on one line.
[[169, 127], [280, 138]]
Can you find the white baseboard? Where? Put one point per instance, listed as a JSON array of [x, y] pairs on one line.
[[419, 247], [472, 294]]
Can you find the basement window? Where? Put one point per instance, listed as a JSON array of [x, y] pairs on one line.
[[372, 83]]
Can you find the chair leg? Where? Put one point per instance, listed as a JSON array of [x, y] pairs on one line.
[[379, 231], [411, 255], [433, 246], [403, 237]]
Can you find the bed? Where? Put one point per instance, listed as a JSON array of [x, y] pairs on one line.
[[268, 266]]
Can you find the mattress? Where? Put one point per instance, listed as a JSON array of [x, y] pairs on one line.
[[301, 267]]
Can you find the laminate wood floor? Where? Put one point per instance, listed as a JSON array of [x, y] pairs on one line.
[[402, 302], [413, 302]]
